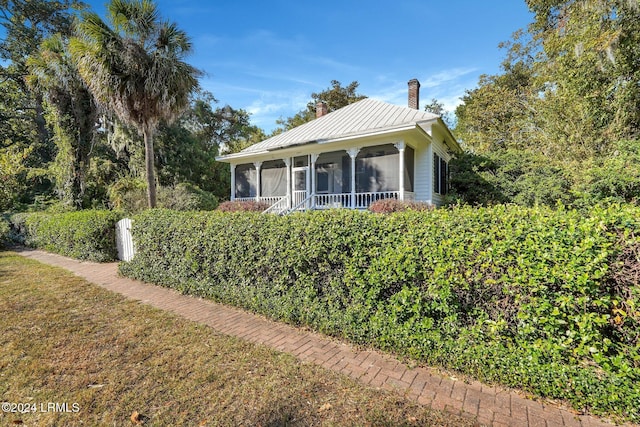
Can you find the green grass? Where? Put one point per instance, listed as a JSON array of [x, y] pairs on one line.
[[65, 340]]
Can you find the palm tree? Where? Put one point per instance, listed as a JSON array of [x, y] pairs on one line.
[[135, 68]]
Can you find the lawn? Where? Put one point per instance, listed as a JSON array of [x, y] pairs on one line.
[[76, 354]]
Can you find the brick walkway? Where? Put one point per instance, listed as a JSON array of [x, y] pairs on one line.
[[488, 405]]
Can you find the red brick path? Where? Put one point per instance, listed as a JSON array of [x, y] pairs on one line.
[[488, 405]]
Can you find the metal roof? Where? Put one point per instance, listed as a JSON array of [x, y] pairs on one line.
[[360, 118]]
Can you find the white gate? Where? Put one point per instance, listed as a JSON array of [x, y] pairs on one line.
[[124, 241]]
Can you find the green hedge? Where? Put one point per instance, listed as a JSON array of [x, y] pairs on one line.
[[87, 235], [529, 297]]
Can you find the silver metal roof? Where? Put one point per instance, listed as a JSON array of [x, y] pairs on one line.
[[360, 118]]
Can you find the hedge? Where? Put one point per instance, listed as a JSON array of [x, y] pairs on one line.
[[87, 235], [529, 297]]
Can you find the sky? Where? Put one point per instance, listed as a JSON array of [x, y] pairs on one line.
[[267, 57]]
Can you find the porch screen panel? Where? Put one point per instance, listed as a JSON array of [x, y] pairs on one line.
[[333, 173], [246, 181], [273, 175], [346, 173], [377, 169], [409, 165]]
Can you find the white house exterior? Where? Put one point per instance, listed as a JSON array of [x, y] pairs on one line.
[[367, 151]]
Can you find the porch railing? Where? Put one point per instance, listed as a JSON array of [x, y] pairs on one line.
[[327, 201], [270, 200], [279, 204], [279, 207], [364, 200]]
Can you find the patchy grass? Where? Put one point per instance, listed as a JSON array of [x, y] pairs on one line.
[[65, 340]]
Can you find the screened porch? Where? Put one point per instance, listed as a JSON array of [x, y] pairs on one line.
[[352, 178]]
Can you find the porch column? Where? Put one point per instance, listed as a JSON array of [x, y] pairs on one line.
[[353, 152], [400, 146], [233, 182], [258, 165], [313, 158], [287, 163]]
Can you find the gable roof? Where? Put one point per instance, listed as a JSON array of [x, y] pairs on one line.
[[360, 118]]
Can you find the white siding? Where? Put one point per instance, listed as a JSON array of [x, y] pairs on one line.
[[423, 174], [440, 149]]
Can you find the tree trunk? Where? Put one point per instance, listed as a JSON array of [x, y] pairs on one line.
[[149, 163]]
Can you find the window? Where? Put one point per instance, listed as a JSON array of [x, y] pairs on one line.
[[440, 175]]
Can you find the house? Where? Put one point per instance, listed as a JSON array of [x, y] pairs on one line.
[[367, 151]]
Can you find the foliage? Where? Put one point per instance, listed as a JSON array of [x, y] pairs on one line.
[[184, 151], [335, 97], [5, 231], [438, 108], [12, 175], [615, 177], [499, 114], [393, 205], [527, 178], [243, 206], [135, 67], [88, 234], [72, 114], [567, 87], [588, 51], [181, 197], [530, 297], [22, 123], [509, 176]]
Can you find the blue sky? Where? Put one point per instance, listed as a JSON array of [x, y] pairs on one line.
[[267, 57]]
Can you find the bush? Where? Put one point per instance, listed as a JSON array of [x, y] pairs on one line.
[[509, 176], [529, 297], [243, 206], [5, 230], [393, 205], [130, 195], [87, 235]]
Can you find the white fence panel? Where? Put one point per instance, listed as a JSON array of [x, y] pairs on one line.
[[124, 241]]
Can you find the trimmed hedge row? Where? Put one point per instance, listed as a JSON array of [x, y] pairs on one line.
[[87, 235], [529, 297]]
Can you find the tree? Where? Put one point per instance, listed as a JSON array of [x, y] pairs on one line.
[[335, 97], [12, 171], [587, 65], [135, 68], [73, 115], [438, 108], [26, 24], [501, 112]]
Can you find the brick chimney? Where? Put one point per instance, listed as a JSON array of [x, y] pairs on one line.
[[414, 94], [321, 109]]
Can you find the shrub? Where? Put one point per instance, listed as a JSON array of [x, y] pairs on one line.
[[393, 205], [243, 206], [4, 231], [18, 224], [87, 235], [529, 297], [130, 195]]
